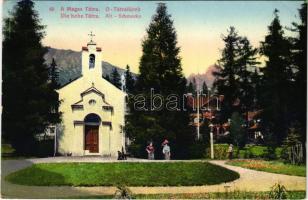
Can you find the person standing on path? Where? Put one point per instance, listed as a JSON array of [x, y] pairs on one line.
[[230, 151], [166, 150], [150, 149]]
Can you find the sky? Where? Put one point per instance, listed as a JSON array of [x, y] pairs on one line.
[[199, 26]]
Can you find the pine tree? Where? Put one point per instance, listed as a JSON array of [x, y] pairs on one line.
[[129, 81], [54, 96], [299, 60], [204, 88], [54, 74], [226, 80], [190, 87], [28, 97], [276, 82], [115, 78], [247, 66], [160, 70], [160, 65], [256, 81], [194, 84]]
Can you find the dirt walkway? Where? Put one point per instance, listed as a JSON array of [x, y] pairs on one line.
[[249, 180]]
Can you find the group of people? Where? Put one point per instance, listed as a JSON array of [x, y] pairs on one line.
[[166, 150]]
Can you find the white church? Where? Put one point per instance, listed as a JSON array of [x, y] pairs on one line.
[[92, 111]]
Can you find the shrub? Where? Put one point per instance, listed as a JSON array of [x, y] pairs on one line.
[[278, 191], [293, 150], [244, 153], [278, 152], [256, 151], [220, 151], [198, 150], [252, 151], [123, 192], [269, 153]]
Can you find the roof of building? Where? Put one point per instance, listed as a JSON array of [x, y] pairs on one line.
[[62, 86], [253, 114], [87, 49], [203, 100]]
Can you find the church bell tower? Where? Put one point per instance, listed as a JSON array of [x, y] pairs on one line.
[[91, 59]]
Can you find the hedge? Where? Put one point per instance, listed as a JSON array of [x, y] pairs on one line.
[[249, 151]]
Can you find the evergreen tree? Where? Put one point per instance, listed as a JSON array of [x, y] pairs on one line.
[[194, 84], [115, 78], [299, 60], [204, 88], [160, 70], [226, 80], [237, 132], [247, 66], [129, 81], [54, 96], [160, 65], [256, 81], [54, 74], [237, 77], [190, 87], [28, 97], [107, 77], [276, 82]]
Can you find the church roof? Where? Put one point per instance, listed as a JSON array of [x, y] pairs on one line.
[[89, 89], [70, 81], [87, 49]]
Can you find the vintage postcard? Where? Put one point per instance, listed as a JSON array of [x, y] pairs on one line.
[[153, 99]]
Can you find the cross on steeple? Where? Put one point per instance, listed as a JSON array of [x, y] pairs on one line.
[[91, 36]]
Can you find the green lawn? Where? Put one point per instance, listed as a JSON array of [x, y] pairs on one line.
[[129, 174], [216, 195], [271, 166]]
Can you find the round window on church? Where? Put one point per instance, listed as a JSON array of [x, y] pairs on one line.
[[92, 102]]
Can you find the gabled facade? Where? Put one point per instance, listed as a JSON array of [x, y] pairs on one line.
[[92, 111]]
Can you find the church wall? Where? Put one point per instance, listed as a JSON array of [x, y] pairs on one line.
[[72, 138]]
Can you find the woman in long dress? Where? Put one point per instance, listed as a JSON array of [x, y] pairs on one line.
[[166, 150], [150, 149]]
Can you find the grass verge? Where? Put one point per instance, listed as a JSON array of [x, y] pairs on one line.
[[271, 166], [216, 195], [129, 174]]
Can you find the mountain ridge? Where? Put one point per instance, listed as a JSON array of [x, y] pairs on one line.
[[69, 64], [206, 76]]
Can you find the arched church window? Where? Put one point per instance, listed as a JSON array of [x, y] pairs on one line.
[[92, 102], [91, 61]]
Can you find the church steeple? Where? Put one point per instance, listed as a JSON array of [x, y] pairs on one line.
[[91, 59]]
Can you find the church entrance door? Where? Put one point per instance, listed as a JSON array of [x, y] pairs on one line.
[[91, 138], [92, 123]]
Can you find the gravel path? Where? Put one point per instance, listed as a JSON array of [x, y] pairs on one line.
[[250, 180]]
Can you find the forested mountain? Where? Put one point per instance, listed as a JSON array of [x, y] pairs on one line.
[[69, 64]]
